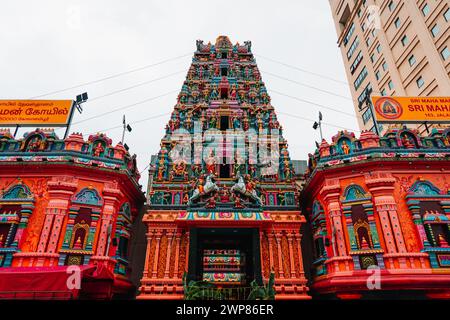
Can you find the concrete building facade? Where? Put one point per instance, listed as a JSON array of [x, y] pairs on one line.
[[394, 48]]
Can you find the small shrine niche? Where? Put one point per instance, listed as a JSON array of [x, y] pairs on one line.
[[81, 229], [408, 140], [345, 146], [16, 206], [34, 142], [436, 223], [98, 148]]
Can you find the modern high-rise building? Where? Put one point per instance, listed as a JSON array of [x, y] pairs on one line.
[[394, 48]]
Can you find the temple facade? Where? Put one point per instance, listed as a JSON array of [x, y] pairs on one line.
[[223, 199], [66, 202], [379, 212]]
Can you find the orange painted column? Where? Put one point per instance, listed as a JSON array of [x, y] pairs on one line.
[[170, 236], [60, 191], [291, 254], [298, 239], [381, 185], [280, 256], [270, 240], [188, 240], [177, 252], [335, 214], [111, 196], [147, 254], [156, 257]]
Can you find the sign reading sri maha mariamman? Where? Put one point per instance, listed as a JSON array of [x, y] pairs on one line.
[[35, 112], [411, 109]]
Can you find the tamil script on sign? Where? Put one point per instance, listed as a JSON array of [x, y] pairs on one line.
[[35, 112]]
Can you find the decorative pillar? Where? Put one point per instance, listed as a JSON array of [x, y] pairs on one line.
[[170, 236], [158, 235], [336, 221], [111, 196], [147, 258], [177, 253], [278, 237], [387, 209], [381, 186], [290, 237], [298, 239], [60, 191], [271, 258]]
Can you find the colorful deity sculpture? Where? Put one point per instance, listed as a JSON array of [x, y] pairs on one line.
[[211, 163], [98, 149], [224, 186], [345, 147], [214, 93]]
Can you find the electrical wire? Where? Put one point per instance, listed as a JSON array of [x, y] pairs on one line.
[[126, 107], [112, 76], [303, 70], [136, 85], [307, 85], [313, 103]]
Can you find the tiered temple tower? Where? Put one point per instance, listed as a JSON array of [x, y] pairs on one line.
[[223, 202]]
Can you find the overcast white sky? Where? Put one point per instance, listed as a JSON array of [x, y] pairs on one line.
[[51, 45]]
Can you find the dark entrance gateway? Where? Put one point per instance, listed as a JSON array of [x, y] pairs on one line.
[[225, 256]]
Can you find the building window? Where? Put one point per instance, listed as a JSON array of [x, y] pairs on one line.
[[391, 85], [420, 82], [353, 47], [383, 92], [405, 40], [447, 15], [426, 9], [397, 23], [445, 53], [435, 30], [367, 115], [356, 63], [363, 95], [372, 58], [360, 78], [379, 48], [391, 6], [385, 66], [377, 75], [412, 60], [349, 34]]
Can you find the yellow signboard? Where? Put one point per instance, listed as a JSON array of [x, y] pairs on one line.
[[411, 109], [35, 112]]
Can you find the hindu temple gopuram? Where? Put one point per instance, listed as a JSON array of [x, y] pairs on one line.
[[223, 200], [379, 209], [66, 206]]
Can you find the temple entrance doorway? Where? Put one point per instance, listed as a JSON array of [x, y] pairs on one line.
[[226, 257]]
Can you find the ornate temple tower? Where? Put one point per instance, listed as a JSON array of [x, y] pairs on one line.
[[223, 202]]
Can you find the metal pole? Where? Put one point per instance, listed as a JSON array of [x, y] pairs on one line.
[[70, 120], [426, 127], [15, 131], [375, 123], [124, 128], [320, 127]]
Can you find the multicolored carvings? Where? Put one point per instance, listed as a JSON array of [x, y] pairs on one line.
[[223, 178], [380, 204], [67, 202]]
